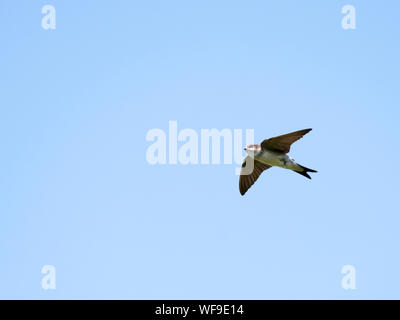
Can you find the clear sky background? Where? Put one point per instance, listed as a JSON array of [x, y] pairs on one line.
[[77, 192]]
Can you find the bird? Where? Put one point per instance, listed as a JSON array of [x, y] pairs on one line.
[[271, 152]]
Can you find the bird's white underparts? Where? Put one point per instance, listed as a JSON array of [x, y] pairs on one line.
[[274, 159]]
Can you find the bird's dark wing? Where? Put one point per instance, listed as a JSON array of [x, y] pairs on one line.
[[283, 143], [250, 173]]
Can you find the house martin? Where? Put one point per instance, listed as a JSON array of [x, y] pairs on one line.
[[271, 153]]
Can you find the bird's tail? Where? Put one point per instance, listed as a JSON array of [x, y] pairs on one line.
[[304, 171]]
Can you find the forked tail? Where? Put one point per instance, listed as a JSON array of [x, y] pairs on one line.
[[304, 172]]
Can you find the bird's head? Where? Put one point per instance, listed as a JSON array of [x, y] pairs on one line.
[[252, 149]]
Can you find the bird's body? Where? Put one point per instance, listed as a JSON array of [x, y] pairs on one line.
[[276, 159], [271, 153]]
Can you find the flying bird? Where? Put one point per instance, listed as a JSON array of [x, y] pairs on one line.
[[272, 152]]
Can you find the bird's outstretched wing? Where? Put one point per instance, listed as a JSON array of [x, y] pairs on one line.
[[283, 143], [248, 176]]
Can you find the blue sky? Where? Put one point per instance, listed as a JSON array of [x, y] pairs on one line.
[[77, 192]]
